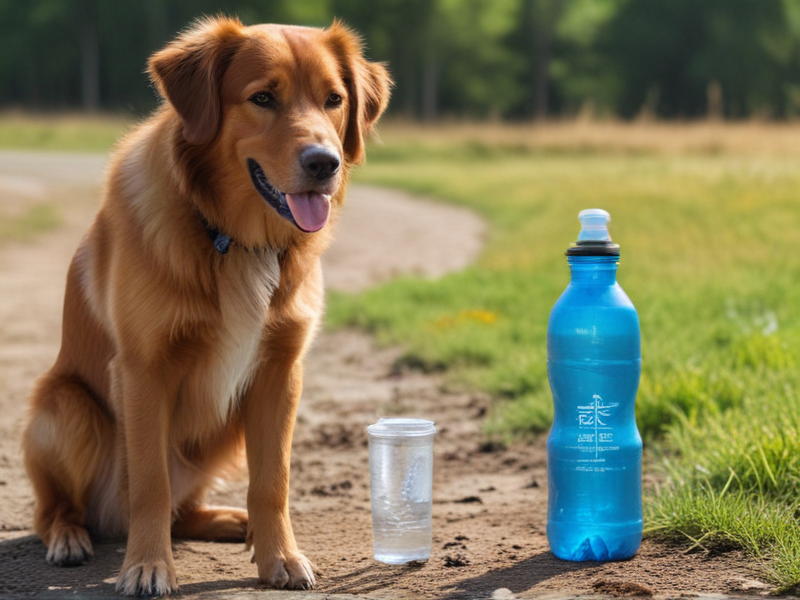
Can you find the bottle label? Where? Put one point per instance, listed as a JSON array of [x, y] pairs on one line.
[[595, 431]]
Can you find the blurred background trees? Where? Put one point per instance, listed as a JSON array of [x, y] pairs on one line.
[[467, 59]]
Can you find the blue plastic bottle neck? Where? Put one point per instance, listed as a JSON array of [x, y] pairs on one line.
[[593, 270]]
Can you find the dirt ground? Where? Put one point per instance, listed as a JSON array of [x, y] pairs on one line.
[[489, 502]]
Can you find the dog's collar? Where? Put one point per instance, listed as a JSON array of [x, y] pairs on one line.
[[221, 241]]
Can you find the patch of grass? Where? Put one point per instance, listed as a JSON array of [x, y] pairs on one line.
[[709, 259], [710, 519], [733, 480], [36, 220], [73, 133]]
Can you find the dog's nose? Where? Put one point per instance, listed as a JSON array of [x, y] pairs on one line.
[[319, 162]]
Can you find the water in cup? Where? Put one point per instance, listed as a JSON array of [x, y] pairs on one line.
[[401, 478]]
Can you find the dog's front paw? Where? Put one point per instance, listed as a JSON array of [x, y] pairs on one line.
[[155, 578], [291, 571], [69, 546]]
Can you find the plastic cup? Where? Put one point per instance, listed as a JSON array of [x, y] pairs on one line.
[[401, 483]]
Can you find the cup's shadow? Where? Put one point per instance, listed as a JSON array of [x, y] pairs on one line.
[[375, 576]]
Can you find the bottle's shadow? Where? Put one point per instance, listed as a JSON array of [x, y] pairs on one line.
[[518, 578]]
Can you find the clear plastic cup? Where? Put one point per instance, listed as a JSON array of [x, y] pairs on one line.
[[401, 482]]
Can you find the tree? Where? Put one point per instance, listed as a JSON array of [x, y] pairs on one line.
[[678, 47], [464, 58]]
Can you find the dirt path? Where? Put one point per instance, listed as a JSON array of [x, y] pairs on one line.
[[489, 503]]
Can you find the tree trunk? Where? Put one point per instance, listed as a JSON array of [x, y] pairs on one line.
[[540, 18], [715, 106], [90, 56], [430, 81], [541, 71]]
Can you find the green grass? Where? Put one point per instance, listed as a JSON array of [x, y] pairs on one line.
[[72, 133], [709, 258], [733, 482], [37, 219]]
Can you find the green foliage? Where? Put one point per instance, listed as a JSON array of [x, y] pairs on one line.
[[466, 58], [669, 51]]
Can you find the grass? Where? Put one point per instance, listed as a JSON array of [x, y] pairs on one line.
[[37, 219], [733, 482], [709, 236], [57, 132]]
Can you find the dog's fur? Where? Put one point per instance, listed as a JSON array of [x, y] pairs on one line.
[[174, 356]]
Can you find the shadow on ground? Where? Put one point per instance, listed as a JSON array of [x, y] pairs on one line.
[[518, 578], [23, 567], [24, 571]]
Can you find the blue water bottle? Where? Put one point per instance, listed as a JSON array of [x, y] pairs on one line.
[[594, 451]]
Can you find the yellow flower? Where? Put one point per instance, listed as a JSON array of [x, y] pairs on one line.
[[481, 316]]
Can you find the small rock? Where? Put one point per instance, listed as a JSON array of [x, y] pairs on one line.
[[335, 489], [743, 584], [469, 500], [459, 560], [491, 446], [621, 588]]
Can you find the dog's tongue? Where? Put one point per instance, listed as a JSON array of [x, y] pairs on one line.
[[310, 210]]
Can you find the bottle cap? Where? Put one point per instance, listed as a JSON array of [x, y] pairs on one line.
[[594, 225], [401, 428], [594, 239]]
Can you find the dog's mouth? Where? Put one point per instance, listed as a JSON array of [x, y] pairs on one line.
[[308, 211]]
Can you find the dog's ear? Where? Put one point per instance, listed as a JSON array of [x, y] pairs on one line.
[[368, 88], [188, 73]]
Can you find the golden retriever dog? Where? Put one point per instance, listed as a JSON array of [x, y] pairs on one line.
[[193, 297]]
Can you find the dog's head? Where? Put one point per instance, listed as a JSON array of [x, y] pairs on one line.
[[278, 113]]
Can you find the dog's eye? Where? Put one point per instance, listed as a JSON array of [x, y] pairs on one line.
[[263, 99], [333, 101]]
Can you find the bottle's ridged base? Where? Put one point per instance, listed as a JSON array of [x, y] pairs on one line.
[[610, 543]]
